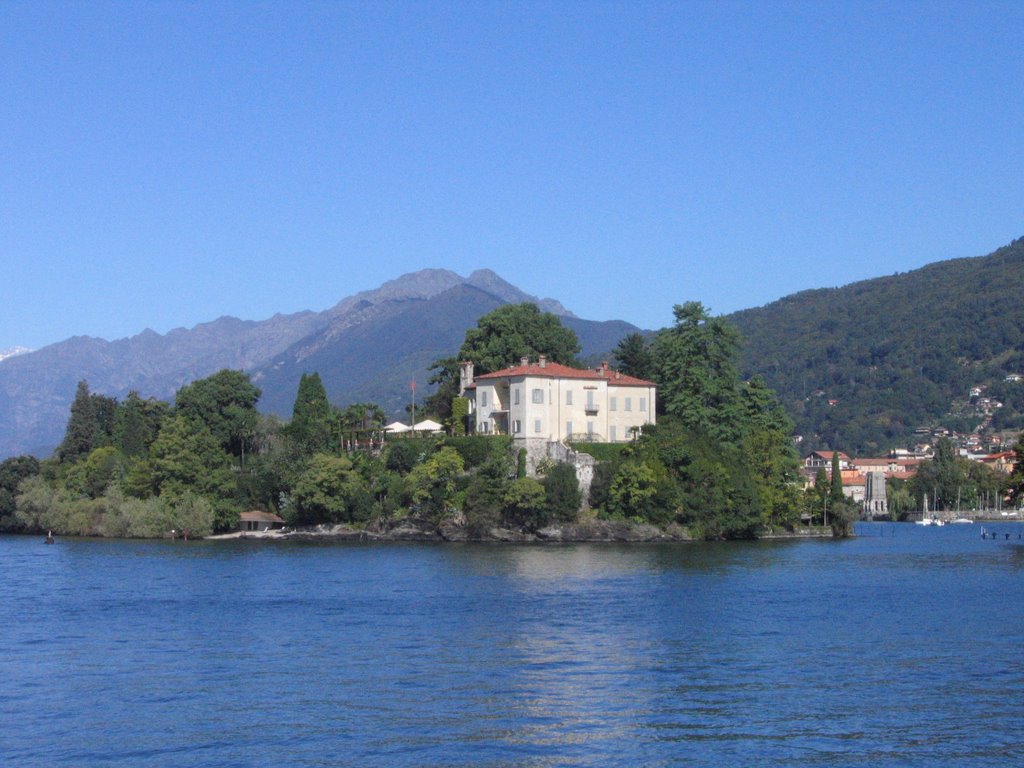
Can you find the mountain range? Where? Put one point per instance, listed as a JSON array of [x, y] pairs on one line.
[[860, 368], [367, 348]]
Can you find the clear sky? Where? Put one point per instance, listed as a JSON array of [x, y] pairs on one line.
[[162, 164]]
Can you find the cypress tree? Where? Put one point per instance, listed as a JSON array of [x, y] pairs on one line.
[[80, 435], [312, 416], [836, 492]]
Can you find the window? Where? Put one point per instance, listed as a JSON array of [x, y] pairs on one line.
[[568, 429], [611, 433], [485, 427], [515, 395], [613, 403], [568, 397], [536, 426], [643, 405], [538, 396], [483, 398], [629, 403], [590, 430], [590, 399], [517, 427]]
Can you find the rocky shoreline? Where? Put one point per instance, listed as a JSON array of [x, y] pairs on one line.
[[588, 531]]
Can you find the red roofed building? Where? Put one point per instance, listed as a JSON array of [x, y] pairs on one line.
[[551, 402]]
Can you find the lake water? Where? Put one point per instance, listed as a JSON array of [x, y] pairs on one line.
[[902, 647]]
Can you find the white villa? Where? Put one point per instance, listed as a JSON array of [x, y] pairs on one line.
[[550, 402]]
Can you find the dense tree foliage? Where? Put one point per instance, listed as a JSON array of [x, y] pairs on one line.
[[695, 370], [865, 365], [12, 472], [719, 462], [314, 425], [949, 482], [1015, 485], [90, 426], [225, 403], [634, 357]]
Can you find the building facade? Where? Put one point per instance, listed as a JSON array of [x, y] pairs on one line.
[[551, 402]]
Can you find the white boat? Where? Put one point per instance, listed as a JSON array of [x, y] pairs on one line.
[[962, 520], [927, 519]]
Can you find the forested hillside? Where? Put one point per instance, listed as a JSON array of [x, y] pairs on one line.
[[862, 366]]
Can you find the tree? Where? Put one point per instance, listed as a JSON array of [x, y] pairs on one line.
[[1016, 487], [942, 479], [835, 494], [187, 458], [314, 421], [561, 493], [634, 357], [330, 491], [225, 403], [633, 491], [501, 338], [137, 423], [697, 380], [487, 499], [90, 425], [12, 472], [361, 420], [432, 483]]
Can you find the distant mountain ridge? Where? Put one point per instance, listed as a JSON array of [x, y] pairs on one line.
[[12, 352], [368, 346], [862, 367]]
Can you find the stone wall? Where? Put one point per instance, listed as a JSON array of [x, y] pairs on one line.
[[538, 451]]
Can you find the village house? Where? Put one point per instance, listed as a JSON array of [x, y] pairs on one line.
[[551, 402], [257, 520], [823, 460]]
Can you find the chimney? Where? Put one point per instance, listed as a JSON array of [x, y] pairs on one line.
[[465, 376], [542, 361], [524, 361]]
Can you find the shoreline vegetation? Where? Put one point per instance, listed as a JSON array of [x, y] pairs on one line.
[[719, 464]]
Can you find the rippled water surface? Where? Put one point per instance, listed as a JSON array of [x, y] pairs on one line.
[[901, 647]]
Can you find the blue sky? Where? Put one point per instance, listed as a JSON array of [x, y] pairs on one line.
[[162, 164]]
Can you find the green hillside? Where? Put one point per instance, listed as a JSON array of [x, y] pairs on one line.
[[862, 366]]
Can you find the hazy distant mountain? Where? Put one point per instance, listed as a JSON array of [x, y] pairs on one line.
[[861, 367], [12, 351], [368, 347], [377, 358]]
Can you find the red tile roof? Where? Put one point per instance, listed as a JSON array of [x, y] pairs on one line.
[[828, 455], [559, 371]]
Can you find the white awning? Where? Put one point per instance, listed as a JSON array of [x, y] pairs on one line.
[[428, 425]]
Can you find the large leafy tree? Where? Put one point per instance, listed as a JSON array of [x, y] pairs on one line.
[[330, 491], [499, 340], [186, 458], [225, 403], [12, 472]]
